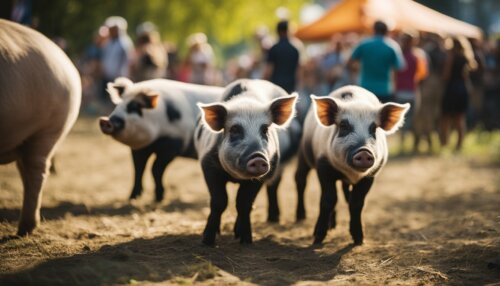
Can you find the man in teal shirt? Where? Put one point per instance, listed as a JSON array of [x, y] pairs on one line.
[[379, 56]]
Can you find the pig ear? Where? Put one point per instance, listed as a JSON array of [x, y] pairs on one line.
[[282, 109], [117, 88], [213, 115], [325, 109], [149, 99], [391, 116]]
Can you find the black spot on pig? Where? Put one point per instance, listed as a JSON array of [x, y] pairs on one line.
[[173, 113], [346, 95], [199, 133], [237, 89]]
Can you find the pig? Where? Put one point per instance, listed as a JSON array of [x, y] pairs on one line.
[[345, 140], [155, 117], [40, 94], [237, 141]]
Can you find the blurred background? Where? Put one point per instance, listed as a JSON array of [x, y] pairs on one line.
[[216, 42]]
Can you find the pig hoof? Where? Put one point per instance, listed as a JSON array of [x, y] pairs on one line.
[[333, 225], [25, 229], [208, 242], [358, 242], [134, 197], [273, 219], [246, 241], [300, 217], [318, 241]]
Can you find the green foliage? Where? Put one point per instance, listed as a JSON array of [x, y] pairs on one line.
[[226, 22]]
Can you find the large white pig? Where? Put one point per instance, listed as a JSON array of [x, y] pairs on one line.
[[40, 93], [345, 140]]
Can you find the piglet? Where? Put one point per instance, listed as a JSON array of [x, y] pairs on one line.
[[345, 139], [237, 141]]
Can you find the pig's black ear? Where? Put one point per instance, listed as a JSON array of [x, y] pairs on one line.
[[325, 109], [282, 109], [391, 116], [213, 115], [117, 88]]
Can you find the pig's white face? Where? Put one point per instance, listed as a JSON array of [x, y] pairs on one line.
[[132, 122], [249, 147], [357, 144]]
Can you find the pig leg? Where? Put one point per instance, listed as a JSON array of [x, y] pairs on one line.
[[163, 158], [140, 158], [33, 166], [273, 214], [218, 204], [166, 150], [301, 181], [356, 203], [333, 217], [327, 204], [416, 142], [244, 201]]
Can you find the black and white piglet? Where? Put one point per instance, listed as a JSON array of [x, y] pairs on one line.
[[155, 117], [237, 141], [345, 139]]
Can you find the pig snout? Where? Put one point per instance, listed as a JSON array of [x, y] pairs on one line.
[[257, 165], [111, 125], [363, 159]]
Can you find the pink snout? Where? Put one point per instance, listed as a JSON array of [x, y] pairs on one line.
[[363, 160], [106, 125], [257, 166]]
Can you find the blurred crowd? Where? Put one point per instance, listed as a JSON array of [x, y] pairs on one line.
[[452, 83]]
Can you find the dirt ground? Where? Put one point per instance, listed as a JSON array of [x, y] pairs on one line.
[[429, 220]]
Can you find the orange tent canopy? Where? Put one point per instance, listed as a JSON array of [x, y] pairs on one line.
[[359, 16]]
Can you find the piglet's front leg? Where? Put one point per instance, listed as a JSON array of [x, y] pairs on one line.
[[356, 203], [244, 201], [218, 204]]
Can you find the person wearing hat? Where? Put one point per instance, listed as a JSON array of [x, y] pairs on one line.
[[116, 53], [149, 59]]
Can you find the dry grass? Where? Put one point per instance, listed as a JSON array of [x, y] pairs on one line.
[[428, 221]]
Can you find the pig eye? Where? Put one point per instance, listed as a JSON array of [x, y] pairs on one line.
[[263, 131], [134, 107], [372, 129], [236, 132], [345, 128]]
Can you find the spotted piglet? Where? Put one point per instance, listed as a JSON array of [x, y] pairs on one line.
[[345, 139], [237, 141], [155, 117]]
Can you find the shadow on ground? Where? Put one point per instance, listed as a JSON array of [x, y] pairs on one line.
[[122, 209], [182, 259]]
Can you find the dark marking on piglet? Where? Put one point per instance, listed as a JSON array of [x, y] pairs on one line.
[[173, 113], [346, 95], [236, 90]]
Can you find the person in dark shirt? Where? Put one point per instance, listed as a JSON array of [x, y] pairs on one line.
[[283, 61], [455, 102]]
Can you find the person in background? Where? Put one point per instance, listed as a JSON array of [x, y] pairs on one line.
[[459, 62], [91, 72], [199, 64], [477, 84], [378, 56], [408, 80], [117, 51], [149, 60], [333, 62], [282, 63]]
